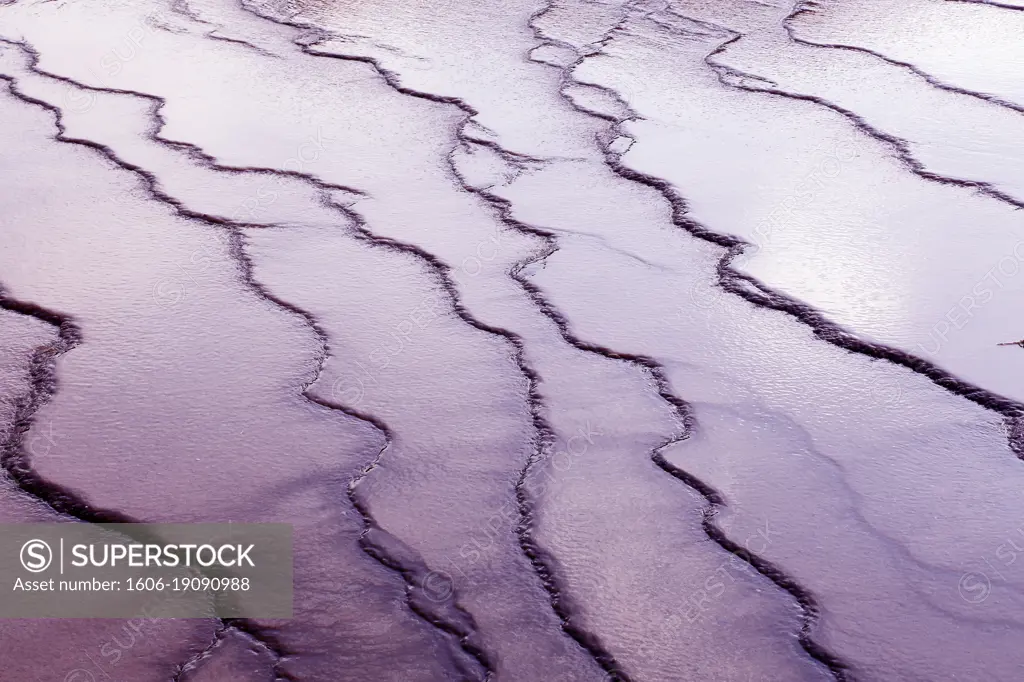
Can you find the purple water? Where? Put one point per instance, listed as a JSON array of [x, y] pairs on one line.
[[637, 340]]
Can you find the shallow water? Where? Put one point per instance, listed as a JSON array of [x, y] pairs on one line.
[[578, 341]]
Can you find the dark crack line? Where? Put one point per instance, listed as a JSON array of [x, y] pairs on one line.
[[809, 7], [193, 663], [236, 246], [565, 74], [14, 452], [194, 152], [545, 433], [810, 610], [900, 146], [184, 9], [214, 35], [14, 455], [414, 576], [16, 459], [356, 39], [541, 561], [315, 36], [413, 571], [733, 281], [684, 416], [542, 564], [1018, 8], [760, 294]]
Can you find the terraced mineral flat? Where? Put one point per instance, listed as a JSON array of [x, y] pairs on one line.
[[577, 340]]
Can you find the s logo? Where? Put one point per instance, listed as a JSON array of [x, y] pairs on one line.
[[36, 556]]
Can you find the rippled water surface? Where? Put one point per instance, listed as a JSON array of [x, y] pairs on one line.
[[577, 339]]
